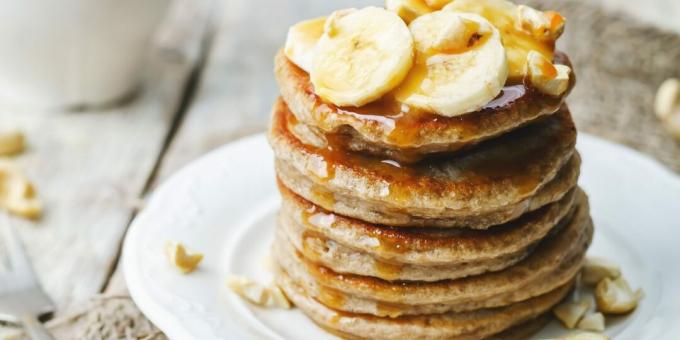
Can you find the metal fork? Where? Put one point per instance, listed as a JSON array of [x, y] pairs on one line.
[[21, 297]]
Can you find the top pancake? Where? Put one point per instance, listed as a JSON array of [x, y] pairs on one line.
[[500, 175], [385, 128]]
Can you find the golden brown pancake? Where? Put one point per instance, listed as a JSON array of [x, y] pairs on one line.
[[555, 261], [490, 184], [343, 259], [383, 128], [468, 325], [424, 246]]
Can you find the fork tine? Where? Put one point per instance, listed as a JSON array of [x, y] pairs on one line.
[[18, 259]]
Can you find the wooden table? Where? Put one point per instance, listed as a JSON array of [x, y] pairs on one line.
[[211, 83]]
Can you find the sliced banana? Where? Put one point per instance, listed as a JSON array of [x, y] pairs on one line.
[[301, 42], [437, 4], [460, 64], [522, 30], [361, 55], [408, 10]]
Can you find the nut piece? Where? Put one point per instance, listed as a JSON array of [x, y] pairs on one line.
[[17, 193], [548, 78], [571, 312], [615, 296], [180, 258], [667, 101], [595, 269], [258, 294], [584, 336], [445, 32], [330, 27], [592, 322], [248, 289], [672, 124], [542, 25], [11, 142], [278, 299], [407, 9]]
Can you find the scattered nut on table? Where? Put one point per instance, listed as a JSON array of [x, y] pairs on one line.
[[595, 269], [258, 294], [180, 258], [672, 125], [667, 105], [615, 296], [17, 193], [592, 322], [11, 142], [570, 312], [667, 100]]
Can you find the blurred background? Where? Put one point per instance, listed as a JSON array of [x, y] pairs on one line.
[[112, 96]]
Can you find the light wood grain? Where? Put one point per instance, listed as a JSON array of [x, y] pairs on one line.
[[88, 168], [91, 167]]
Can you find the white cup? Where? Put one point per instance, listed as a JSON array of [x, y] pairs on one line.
[[74, 53]]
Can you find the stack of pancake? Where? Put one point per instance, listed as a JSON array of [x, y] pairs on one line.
[[402, 224]]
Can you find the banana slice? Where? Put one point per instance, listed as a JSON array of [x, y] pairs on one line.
[[460, 64], [301, 42], [437, 4], [523, 29], [408, 10], [361, 55]]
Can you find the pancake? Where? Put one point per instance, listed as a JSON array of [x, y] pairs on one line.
[[491, 184], [343, 259], [423, 246], [518, 332], [554, 262], [469, 325], [382, 128]]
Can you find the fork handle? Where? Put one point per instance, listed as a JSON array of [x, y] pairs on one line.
[[34, 328]]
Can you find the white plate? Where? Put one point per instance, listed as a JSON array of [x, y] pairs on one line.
[[223, 205]]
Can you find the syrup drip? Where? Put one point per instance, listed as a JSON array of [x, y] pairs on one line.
[[389, 271], [517, 158], [331, 297], [517, 42], [388, 309]]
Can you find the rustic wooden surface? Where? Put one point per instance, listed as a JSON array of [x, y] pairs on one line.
[[93, 169]]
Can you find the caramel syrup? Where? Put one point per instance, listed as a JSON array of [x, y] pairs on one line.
[[404, 125], [388, 271], [517, 41], [518, 158], [331, 297]]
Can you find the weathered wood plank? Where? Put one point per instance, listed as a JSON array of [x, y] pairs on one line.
[[88, 168], [91, 167]]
